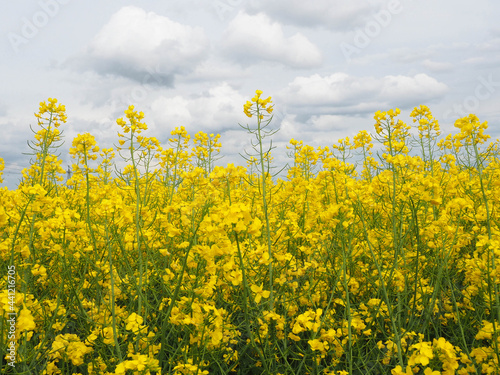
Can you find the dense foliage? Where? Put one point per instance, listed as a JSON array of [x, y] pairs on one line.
[[177, 266]]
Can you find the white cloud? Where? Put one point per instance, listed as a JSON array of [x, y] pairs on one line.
[[341, 93], [425, 55], [437, 66], [420, 87], [251, 38], [336, 89], [135, 43], [492, 45], [173, 111], [334, 14], [216, 110], [411, 55]]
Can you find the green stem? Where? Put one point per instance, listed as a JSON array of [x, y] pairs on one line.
[[266, 213]]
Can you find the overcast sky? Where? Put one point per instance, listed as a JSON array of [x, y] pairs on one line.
[[328, 64]]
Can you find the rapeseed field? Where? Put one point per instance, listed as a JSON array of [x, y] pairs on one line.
[[173, 265]]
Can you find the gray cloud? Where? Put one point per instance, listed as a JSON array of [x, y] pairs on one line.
[[145, 47], [3, 109], [335, 15], [437, 66]]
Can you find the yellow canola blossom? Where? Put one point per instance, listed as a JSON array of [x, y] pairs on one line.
[[381, 249]]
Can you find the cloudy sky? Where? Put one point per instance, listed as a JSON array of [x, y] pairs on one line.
[[328, 64]]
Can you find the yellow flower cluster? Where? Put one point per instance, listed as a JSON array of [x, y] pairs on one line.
[[471, 130], [53, 112], [135, 125], [2, 167], [70, 347], [140, 364], [428, 126], [84, 143], [176, 266], [257, 106]]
